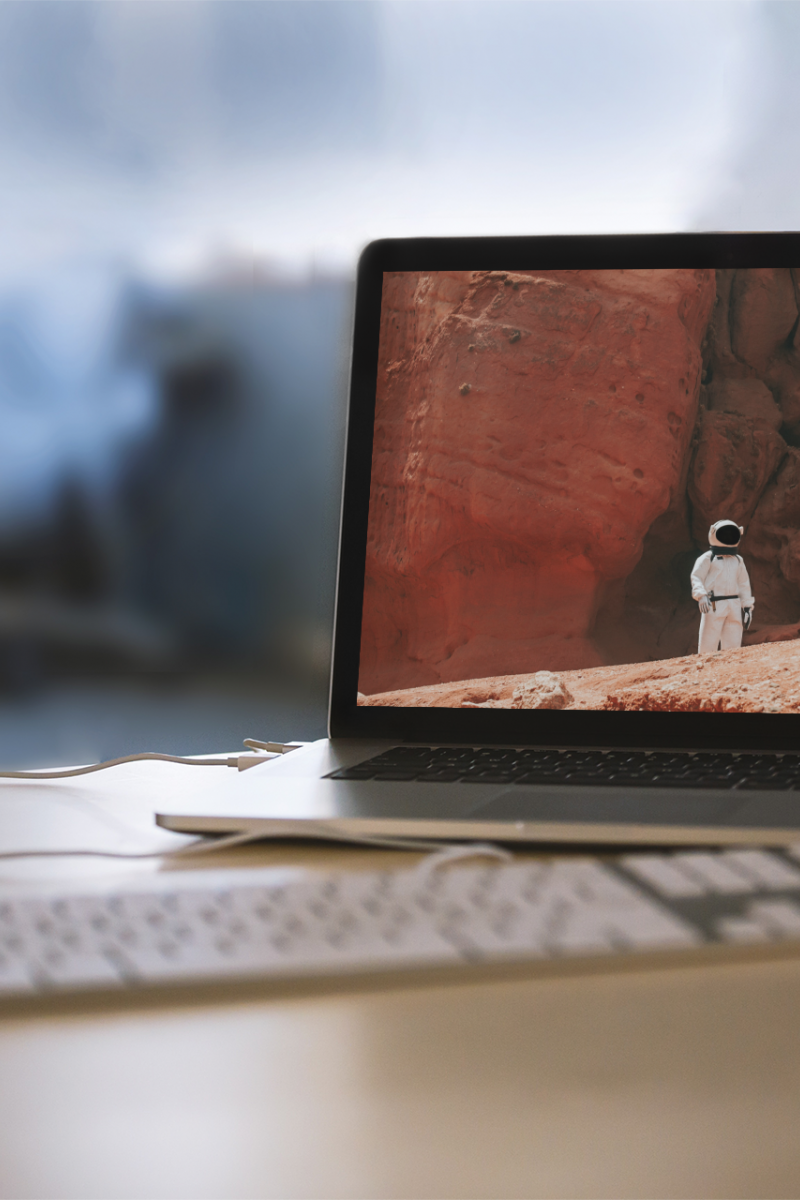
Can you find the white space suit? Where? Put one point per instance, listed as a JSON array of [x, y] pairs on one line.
[[721, 586]]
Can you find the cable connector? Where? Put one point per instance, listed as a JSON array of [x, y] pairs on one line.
[[273, 747], [243, 761], [263, 752]]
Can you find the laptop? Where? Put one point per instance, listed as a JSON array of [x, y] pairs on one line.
[[568, 602]]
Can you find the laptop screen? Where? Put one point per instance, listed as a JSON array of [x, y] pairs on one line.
[[585, 492]]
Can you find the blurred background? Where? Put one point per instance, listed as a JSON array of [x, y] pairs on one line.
[[184, 190]]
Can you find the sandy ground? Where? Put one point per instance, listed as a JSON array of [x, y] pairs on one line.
[[764, 678]]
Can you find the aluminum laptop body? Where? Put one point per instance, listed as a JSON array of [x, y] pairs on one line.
[[568, 600]]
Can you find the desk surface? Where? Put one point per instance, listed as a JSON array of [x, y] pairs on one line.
[[680, 1082]]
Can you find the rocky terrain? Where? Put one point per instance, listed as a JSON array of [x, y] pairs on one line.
[[761, 678], [550, 450]]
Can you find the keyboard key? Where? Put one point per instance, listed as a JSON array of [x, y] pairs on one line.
[[741, 929], [352, 773], [663, 875], [720, 782], [655, 931], [486, 777], [14, 973], [768, 784], [669, 781], [713, 872], [765, 870], [541, 777], [779, 918]]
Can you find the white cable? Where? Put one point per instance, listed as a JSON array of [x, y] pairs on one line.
[[453, 852], [116, 762], [86, 854], [240, 761]]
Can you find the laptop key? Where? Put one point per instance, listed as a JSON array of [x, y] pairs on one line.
[[488, 777], [540, 777], [353, 773], [591, 779], [711, 781], [768, 784], [395, 776], [670, 781]]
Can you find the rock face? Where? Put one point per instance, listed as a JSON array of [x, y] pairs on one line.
[[750, 469], [527, 436], [736, 457], [750, 398], [550, 450]]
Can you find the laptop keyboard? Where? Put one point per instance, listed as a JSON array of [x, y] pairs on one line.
[[598, 768]]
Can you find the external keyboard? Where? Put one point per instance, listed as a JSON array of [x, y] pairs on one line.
[[203, 927], [599, 768]]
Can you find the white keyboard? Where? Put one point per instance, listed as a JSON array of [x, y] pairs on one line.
[[182, 927]]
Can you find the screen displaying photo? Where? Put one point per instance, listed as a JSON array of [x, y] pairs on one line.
[[585, 492]]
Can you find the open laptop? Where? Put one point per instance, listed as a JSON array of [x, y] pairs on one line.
[[568, 601]]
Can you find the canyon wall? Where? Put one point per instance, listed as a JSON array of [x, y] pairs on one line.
[[550, 449]]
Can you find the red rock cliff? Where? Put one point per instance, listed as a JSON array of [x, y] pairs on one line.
[[743, 463], [530, 430]]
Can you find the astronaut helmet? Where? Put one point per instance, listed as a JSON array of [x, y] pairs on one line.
[[725, 534]]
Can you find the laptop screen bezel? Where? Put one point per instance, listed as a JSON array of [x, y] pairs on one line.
[[511, 727]]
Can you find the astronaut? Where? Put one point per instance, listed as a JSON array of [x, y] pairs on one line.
[[721, 587]]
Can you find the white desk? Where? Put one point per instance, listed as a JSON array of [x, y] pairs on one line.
[[664, 1083]]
